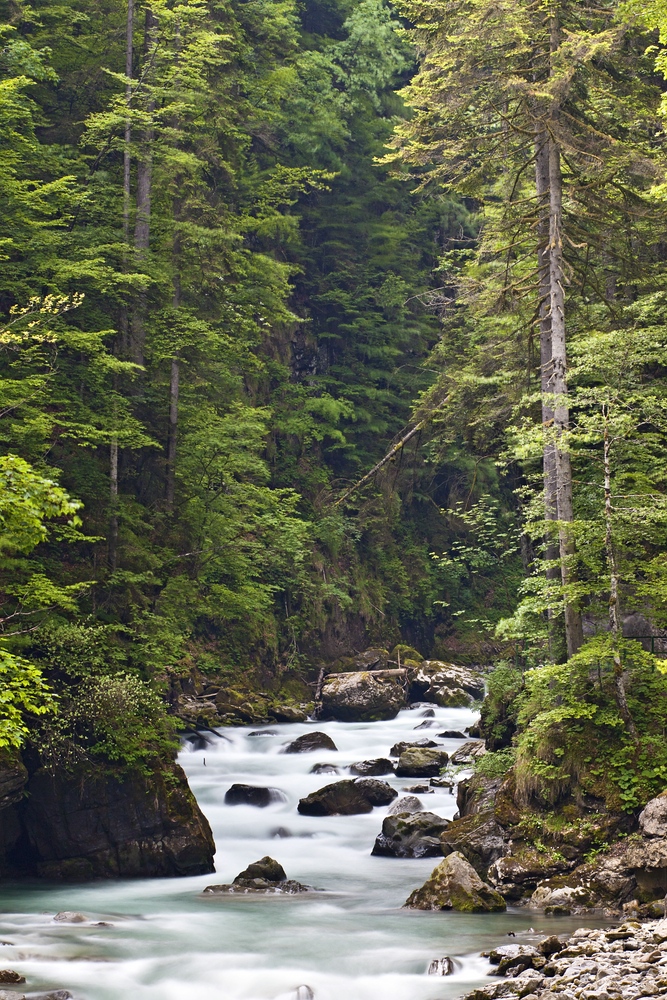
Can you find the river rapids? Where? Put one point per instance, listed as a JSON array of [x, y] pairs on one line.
[[160, 939]]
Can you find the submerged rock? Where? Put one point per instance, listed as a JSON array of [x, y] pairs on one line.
[[347, 798], [309, 742], [263, 732], [252, 795], [364, 696], [455, 885], [11, 995], [421, 762], [410, 835], [70, 917], [324, 769], [451, 734], [426, 724], [372, 767]]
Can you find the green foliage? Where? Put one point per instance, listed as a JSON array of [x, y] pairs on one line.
[[573, 736], [23, 693], [495, 764], [499, 709]]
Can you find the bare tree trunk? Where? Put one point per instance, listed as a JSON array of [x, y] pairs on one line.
[[173, 405], [552, 551], [614, 622], [142, 222], [573, 624], [124, 317]]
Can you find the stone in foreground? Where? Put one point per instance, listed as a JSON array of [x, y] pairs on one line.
[[653, 818], [364, 696], [347, 798], [410, 835], [455, 885], [309, 742], [421, 762]]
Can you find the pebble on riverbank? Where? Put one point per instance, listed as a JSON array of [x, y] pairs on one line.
[[629, 961]]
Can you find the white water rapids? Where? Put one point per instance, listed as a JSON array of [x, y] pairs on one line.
[[164, 941]]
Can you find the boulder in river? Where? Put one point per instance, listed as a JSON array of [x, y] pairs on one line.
[[363, 696], [410, 835], [455, 885], [399, 748], [406, 804], [263, 876], [428, 713], [324, 768], [441, 967], [446, 684], [426, 724], [309, 742], [87, 824], [421, 762], [347, 798], [380, 765], [451, 734], [11, 995], [252, 795], [9, 976], [70, 917]]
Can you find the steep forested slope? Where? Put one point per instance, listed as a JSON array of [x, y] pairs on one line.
[[247, 247]]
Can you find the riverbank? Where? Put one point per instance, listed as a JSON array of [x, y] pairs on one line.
[[628, 961]]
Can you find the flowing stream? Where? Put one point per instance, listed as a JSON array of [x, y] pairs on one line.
[[161, 940]]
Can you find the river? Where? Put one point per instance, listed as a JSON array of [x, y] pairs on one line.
[[164, 941]]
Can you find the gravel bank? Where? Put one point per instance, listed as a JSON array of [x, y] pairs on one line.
[[627, 961]]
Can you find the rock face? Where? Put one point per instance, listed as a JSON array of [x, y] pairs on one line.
[[100, 825], [410, 835], [468, 752], [347, 798], [372, 767], [455, 885], [653, 818], [446, 684], [364, 696], [421, 762], [252, 795], [309, 742], [631, 871]]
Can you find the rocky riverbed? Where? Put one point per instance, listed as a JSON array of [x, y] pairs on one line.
[[627, 961]]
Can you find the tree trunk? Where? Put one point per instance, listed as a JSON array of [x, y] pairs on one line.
[[551, 552], [142, 222], [564, 505], [124, 316], [173, 406], [614, 623]]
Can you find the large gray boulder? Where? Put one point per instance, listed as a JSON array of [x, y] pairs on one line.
[[369, 768], [446, 684], [455, 885], [406, 804], [421, 762], [410, 835], [364, 696], [347, 798], [653, 818]]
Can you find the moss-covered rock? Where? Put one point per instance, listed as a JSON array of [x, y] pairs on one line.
[[363, 696], [455, 885], [421, 762], [410, 835]]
